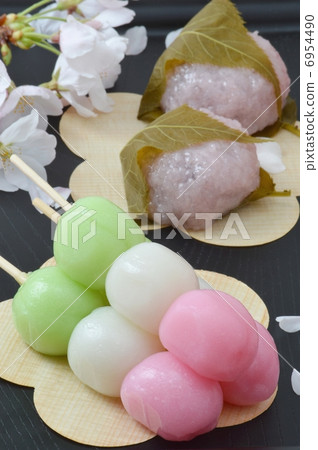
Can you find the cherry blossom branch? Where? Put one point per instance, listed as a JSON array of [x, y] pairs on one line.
[[48, 47], [33, 7]]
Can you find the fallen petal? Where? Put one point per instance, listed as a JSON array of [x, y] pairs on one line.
[[291, 324], [295, 381], [269, 155], [172, 36], [137, 40]]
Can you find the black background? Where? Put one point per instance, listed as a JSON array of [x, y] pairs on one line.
[[272, 270]]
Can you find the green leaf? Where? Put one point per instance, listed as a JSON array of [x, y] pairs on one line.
[[289, 113], [266, 188], [217, 36], [173, 131]]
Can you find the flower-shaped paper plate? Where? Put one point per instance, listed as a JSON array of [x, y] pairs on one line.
[[99, 141], [77, 412]]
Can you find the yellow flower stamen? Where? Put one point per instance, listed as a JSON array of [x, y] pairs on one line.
[[5, 154]]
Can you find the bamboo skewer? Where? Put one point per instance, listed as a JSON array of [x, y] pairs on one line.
[[46, 210], [19, 276], [30, 173]]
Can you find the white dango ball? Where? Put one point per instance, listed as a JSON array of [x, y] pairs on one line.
[[145, 280], [105, 346]]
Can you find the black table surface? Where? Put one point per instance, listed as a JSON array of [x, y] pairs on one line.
[[272, 270]]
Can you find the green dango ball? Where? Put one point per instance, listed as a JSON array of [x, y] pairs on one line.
[[90, 236], [48, 306]]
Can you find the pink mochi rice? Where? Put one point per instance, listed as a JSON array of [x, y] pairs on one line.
[[212, 177], [238, 93]]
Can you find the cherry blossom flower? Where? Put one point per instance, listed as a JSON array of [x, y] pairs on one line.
[[87, 50], [23, 99], [34, 146], [114, 14], [20, 101], [89, 64], [73, 87]]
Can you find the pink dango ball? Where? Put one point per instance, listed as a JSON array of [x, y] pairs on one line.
[[170, 399], [211, 332], [259, 381]]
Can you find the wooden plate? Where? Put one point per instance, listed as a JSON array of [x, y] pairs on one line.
[[99, 141], [77, 412]]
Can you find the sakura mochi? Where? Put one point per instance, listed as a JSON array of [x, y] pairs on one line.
[[214, 62], [259, 381], [144, 281], [236, 93], [105, 346], [171, 399], [210, 177], [211, 332]]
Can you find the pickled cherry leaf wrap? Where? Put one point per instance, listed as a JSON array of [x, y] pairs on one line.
[[215, 36], [181, 128], [287, 121]]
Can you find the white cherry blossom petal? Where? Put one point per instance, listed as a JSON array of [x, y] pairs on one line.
[[20, 130], [291, 324], [102, 56], [71, 79], [269, 155], [17, 178], [34, 96], [35, 191], [110, 76], [100, 100], [90, 8], [172, 36], [4, 183], [76, 39], [23, 99], [116, 17], [49, 26], [5, 82], [64, 192], [82, 104], [113, 4], [137, 40], [295, 381], [39, 146]]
